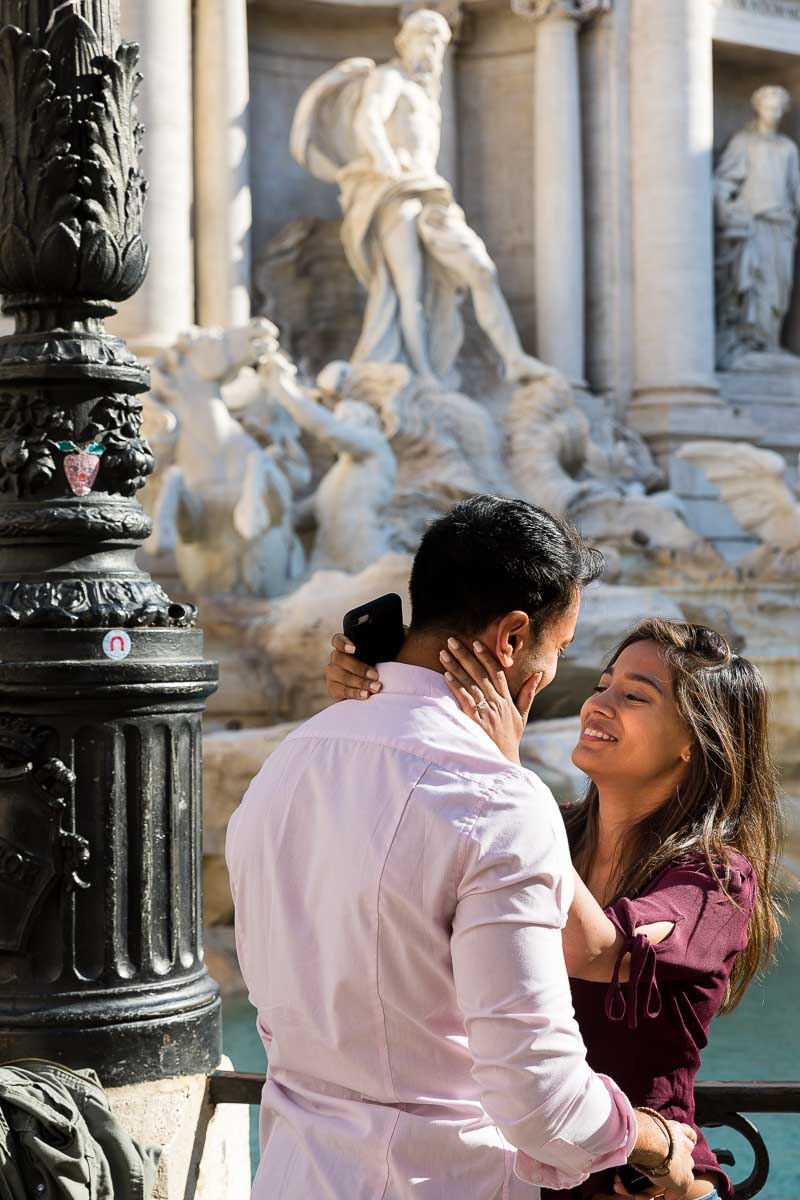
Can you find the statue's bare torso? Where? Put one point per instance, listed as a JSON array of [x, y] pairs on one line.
[[412, 118]]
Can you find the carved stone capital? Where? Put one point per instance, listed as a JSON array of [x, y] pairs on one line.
[[574, 10]]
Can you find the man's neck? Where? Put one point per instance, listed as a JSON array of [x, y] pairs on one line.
[[422, 650]]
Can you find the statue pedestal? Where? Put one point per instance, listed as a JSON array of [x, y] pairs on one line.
[[762, 405], [765, 388], [206, 1149], [667, 416]]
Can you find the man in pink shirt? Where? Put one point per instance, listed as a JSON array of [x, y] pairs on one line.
[[400, 892]]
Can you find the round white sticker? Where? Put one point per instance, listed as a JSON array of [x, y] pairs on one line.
[[117, 644]]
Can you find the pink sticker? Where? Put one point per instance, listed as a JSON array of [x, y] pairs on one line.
[[81, 471]]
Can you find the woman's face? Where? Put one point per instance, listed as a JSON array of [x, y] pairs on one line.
[[631, 731]]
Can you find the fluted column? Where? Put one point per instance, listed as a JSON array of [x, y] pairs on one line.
[[671, 144], [222, 162], [558, 182], [165, 303]]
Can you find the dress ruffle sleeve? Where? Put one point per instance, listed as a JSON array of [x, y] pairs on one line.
[[709, 930], [624, 1001]]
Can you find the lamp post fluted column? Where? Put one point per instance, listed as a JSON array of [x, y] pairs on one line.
[[103, 680]]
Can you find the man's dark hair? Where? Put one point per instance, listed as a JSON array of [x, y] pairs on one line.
[[489, 556]]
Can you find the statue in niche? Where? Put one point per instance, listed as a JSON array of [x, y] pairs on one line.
[[757, 205], [375, 131]]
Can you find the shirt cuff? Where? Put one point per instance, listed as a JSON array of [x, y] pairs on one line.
[[573, 1164]]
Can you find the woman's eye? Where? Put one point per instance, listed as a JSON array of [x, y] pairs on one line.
[[633, 696], [600, 688]]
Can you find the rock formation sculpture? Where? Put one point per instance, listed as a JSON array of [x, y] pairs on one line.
[[446, 445], [757, 202], [376, 132], [554, 462], [752, 482]]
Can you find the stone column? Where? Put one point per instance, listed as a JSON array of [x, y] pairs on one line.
[[223, 202], [165, 304], [671, 141], [558, 183]]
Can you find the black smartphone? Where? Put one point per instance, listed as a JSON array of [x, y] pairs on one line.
[[376, 629], [634, 1180]]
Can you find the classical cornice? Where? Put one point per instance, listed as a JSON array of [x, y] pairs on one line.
[[787, 9], [576, 10]]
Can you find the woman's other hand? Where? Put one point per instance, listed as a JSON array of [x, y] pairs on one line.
[[479, 684], [347, 677]]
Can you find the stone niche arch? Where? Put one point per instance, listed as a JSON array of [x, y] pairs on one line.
[[757, 42], [738, 71], [487, 152]]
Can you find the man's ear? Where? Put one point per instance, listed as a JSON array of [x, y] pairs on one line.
[[510, 634]]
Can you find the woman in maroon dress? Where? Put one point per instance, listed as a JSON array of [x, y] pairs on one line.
[[675, 848]]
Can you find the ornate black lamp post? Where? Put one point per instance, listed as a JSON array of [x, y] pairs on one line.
[[102, 682]]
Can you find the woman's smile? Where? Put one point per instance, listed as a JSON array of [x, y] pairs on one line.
[[592, 732]]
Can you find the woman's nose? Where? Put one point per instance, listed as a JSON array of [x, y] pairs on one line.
[[603, 701]]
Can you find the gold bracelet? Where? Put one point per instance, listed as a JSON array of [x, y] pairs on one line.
[[664, 1169]]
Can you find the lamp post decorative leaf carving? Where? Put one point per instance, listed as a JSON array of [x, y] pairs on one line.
[[103, 680]]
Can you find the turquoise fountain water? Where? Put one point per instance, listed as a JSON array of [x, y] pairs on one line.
[[760, 1040]]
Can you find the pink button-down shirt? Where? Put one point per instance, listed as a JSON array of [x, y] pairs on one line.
[[400, 892]]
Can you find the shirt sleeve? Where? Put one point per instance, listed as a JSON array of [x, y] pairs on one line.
[[514, 892], [710, 928]]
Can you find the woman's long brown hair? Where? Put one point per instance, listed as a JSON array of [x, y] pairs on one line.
[[727, 799]]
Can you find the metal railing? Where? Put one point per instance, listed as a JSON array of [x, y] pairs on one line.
[[718, 1104]]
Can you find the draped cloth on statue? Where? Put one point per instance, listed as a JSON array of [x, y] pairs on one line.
[[325, 141], [758, 193]]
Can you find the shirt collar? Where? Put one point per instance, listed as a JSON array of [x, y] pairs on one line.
[[413, 681], [403, 679]]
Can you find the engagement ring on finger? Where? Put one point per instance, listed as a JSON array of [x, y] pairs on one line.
[[484, 703]]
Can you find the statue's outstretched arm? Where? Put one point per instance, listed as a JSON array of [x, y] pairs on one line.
[[339, 436]]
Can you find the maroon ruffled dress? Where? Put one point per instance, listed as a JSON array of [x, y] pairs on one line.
[[648, 1033]]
